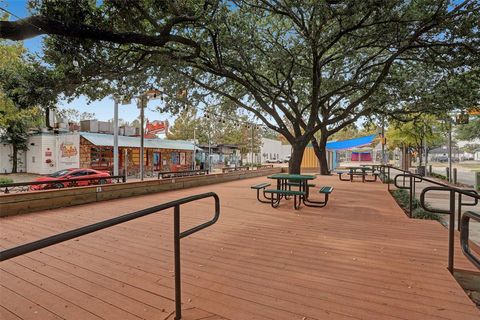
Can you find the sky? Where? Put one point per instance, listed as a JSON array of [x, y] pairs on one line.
[[102, 109]]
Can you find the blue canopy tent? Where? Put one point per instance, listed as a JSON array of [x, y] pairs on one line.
[[335, 146]]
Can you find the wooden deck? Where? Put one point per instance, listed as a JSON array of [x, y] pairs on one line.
[[358, 258]]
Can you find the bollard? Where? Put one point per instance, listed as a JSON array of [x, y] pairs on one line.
[[447, 173], [454, 174], [430, 170]]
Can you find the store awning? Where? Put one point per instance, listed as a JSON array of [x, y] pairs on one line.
[[351, 143], [106, 140]]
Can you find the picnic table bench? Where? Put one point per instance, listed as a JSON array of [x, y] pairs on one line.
[[285, 182]]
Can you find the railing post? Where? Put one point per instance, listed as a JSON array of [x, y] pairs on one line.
[[451, 231], [388, 169], [454, 175], [411, 195], [459, 211], [447, 173], [176, 243]]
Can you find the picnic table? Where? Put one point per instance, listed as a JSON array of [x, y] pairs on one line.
[[286, 181], [358, 171]]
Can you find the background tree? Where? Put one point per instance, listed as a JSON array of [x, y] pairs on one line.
[[470, 131], [423, 131], [73, 115], [217, 127], [16, 120], [15, 127]]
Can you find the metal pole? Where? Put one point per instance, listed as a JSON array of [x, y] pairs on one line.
[[194, 150], [125, 162], [142, 133], [459, 205], [115, 137], [176, 244], [251, 147], [410, 205], [450, 150]]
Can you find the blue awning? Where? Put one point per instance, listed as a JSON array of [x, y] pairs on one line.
[[351, 143]]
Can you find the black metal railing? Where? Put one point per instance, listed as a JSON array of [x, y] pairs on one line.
[[409, 181], [59, 183], [176, 174], [177, 235], [464, 236]]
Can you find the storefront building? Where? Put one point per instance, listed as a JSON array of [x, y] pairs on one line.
[[49, 152], [96, 152]]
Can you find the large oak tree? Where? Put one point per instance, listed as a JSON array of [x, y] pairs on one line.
[[301, 67]]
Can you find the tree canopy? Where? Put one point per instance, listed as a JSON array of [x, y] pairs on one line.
[[300, 67]]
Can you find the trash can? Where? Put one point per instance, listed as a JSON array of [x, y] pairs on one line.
[[421, 170]]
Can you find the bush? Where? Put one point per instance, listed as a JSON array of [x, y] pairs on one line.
[[402, 196], [5, 180], [419, 213], [439, 176]]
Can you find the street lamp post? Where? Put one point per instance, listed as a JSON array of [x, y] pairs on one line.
[[142, 102]]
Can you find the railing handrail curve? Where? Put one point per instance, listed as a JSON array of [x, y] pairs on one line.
[[75, 233]]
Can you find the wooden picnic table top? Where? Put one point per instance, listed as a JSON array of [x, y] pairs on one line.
[[292, 176]]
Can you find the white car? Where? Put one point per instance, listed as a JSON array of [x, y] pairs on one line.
[[287, 158]]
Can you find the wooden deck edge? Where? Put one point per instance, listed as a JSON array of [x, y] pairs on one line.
[[19, 203]]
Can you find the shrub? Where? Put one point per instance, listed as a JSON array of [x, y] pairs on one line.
[[419, 213], [5, 180], [439, 176], [402, 196]]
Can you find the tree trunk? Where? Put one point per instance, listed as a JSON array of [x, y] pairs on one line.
[[320, 149], [14, 158], [298, 148]]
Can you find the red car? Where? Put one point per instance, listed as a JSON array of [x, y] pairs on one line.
[[69, 174]]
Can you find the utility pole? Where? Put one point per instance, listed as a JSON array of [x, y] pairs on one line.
[[115, 136]]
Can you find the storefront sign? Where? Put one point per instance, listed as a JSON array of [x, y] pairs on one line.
[[156, 127]]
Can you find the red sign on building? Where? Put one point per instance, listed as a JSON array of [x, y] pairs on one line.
[[156, 127]]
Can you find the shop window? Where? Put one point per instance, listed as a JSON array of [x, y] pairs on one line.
[[175, 158], [183, 158], [101, 158]]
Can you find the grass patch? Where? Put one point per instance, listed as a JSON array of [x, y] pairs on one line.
[[438, 176], [5, 180], [402, 197]]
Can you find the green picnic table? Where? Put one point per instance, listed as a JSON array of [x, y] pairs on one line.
[[285, 181]]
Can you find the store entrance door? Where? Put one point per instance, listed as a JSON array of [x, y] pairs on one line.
[[156, 161]]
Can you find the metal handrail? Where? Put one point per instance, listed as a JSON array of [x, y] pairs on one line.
[[464, 233], [177, 234], [71, 182], [185, 173], [413, 179]]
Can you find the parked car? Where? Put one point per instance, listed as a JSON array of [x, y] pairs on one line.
[[287, 158], [70, 174]]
